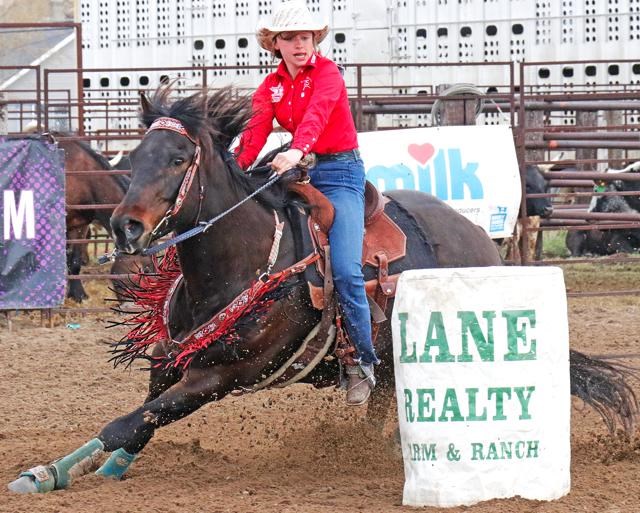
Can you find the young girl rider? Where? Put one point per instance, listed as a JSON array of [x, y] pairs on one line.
[[308, 97]]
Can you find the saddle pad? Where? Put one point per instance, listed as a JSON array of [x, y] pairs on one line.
[[419, 251]]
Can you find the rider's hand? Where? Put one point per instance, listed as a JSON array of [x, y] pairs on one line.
[[286, 160]]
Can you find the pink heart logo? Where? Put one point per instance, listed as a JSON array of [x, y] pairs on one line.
[[421, 152]]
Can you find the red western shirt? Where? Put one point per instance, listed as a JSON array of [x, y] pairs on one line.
[[313, 107]]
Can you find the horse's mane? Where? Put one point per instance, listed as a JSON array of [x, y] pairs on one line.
[[98, 157], [85, 146], [122, 180], [216, 118], [221, 115]]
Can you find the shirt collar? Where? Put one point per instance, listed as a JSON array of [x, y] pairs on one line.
[[312, 62]]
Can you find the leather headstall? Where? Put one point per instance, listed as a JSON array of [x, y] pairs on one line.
[[174, 125]]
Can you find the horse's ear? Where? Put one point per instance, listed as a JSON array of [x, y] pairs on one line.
[[145, 104]]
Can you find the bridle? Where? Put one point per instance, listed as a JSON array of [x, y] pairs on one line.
[[174, 125]]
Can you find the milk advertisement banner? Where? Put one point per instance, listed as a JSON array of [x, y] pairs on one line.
[[473, 169], [482, 382]]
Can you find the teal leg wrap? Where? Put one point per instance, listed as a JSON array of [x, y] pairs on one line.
[[117, 464], [41, 477], [76, 464]]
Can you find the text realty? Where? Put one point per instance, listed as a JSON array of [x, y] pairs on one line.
[[448, 404]]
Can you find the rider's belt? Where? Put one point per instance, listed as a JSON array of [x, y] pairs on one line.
[[340, 155]]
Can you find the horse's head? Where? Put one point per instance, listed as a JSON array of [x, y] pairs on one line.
[[185, 139]]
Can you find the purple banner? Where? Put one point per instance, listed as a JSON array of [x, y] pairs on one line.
[[32, 226]]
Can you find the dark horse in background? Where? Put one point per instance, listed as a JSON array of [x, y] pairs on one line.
[[221, 262], [91, 189], [99, 190]]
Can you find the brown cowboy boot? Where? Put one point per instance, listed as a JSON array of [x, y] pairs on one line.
[[360, 384]]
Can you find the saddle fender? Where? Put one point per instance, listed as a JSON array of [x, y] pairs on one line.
[[384, 242]]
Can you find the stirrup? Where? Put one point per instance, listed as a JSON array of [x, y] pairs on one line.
[[364, 371]]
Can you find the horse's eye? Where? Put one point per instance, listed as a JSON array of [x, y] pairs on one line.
[[178, 162]]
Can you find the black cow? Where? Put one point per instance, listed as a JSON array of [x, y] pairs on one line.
[[608, 242], [536, 184]]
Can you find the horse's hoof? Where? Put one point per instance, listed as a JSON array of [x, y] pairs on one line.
[[24, 484], [35, 480], [116, 465]]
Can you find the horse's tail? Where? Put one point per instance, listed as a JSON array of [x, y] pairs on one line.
[[605, 387]]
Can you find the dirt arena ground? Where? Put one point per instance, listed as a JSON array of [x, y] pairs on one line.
[[296, 450]]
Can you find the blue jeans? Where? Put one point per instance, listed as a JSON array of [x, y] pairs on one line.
[[342, 181]]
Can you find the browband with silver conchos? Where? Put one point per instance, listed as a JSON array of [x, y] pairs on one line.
[[172, 124]]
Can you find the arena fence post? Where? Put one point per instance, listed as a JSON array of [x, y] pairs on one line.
[[457, 111], [616, 156], [3, 115], [586, 157], [534, 125]]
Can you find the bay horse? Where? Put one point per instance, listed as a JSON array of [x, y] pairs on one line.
[[182, 174], [100, 190], [95, 189]]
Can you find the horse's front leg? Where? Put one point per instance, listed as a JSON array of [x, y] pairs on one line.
[[197, 387], [160, 378], [74, 263], [125, 436]]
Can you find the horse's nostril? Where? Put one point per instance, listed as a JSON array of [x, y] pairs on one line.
[[132, 229]]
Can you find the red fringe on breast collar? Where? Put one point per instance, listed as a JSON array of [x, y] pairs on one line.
[[152, 295], [149, 292]]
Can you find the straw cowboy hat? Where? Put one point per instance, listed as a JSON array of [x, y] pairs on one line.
[[293, 16]]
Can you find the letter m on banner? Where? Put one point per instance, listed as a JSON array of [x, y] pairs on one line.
[[17, 216], [33, 237]]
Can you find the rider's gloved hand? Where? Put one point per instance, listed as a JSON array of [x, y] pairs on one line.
[[286, 160]]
